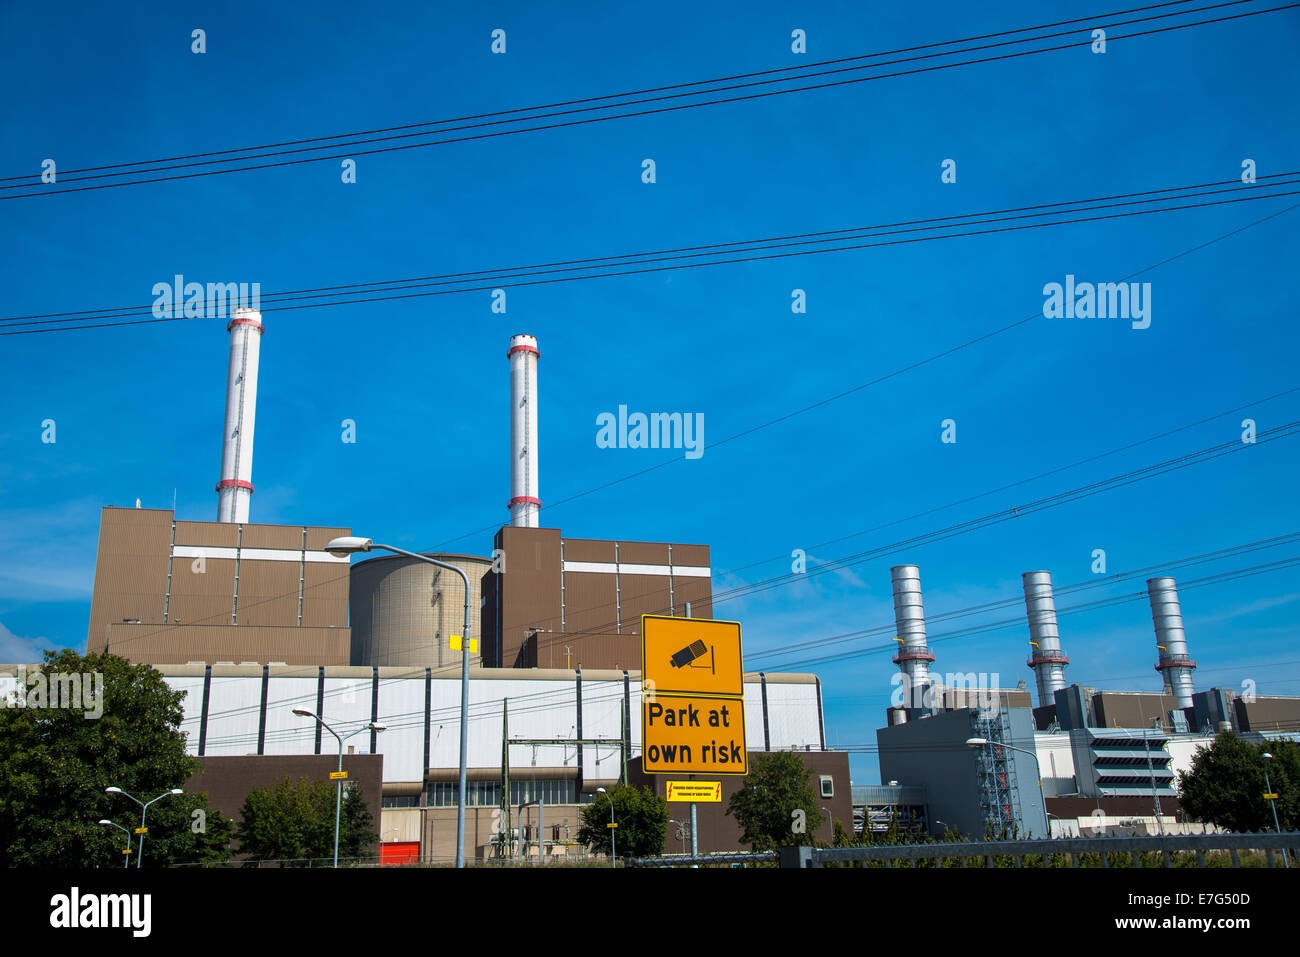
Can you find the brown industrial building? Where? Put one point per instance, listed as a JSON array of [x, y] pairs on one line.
[[228, 780], [577, 602], [176, 592], [173, 592]]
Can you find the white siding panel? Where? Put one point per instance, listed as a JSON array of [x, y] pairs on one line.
[[754, 716], [792, 716], [347, 707], [286, 733], [234, 710], [401, 709], [602, 704], [192, 704]]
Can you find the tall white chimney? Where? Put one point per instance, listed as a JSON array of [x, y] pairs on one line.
[[1171, 643], [236, 486], [524, 503], [914, 656], [1047, 658]]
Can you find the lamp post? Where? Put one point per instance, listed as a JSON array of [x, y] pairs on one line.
[[613, 854], [1272, 801], [338, 797], [126, 854], [350, 544], [981, 742], [144, 806]]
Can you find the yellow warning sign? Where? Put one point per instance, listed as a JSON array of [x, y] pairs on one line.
[[695, 791], [338, 775], [142, 830], [691, 656], [458, 642], [1270, 797], [693, 735]]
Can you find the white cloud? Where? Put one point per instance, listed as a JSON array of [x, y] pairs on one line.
[[15, 650]]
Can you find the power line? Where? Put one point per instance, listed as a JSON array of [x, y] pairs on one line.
[[993, 518], [841, 395], [1266, 187], [641, 92], [1019, 621], [41, 192], [1085, 585]]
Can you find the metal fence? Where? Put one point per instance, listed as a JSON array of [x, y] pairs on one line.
[[1188, 850]]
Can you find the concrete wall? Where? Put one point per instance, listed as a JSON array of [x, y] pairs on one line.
[[403, 610]]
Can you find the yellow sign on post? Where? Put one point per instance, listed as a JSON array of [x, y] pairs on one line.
[[142, 830], [338, 775], [458, 642], [691, 656], [710, 791], [693, 704]]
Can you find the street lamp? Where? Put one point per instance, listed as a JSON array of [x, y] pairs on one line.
[[126, 854], [981, 742], [613, 854], [350, 544], [144, 806], [1272, 801], [338, 796]]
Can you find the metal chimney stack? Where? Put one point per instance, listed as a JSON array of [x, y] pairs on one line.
[[236, 486], [524, 503], [1171, 643], [1047, 657], [914, 656]]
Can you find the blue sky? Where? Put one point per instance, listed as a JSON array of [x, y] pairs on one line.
[[139, 409]]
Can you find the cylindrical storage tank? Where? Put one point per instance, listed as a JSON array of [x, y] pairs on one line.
[[524, 501], [404, 611], [1171, 642], [1047, 658], [914, 656], [236, 486]]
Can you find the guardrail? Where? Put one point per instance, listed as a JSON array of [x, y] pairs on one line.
[[1128, 850]]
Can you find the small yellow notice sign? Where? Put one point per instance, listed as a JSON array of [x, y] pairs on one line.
[[458, 642], [1270, 797], [142, 830], [695, 791], [338, 775], [611, 824]]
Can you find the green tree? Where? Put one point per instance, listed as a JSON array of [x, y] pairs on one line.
[[777, 806], [55, 763], [1225, 785], [295, 820], [641, 816]]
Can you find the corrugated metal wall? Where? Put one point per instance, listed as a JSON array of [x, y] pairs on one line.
[[543, 704]]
